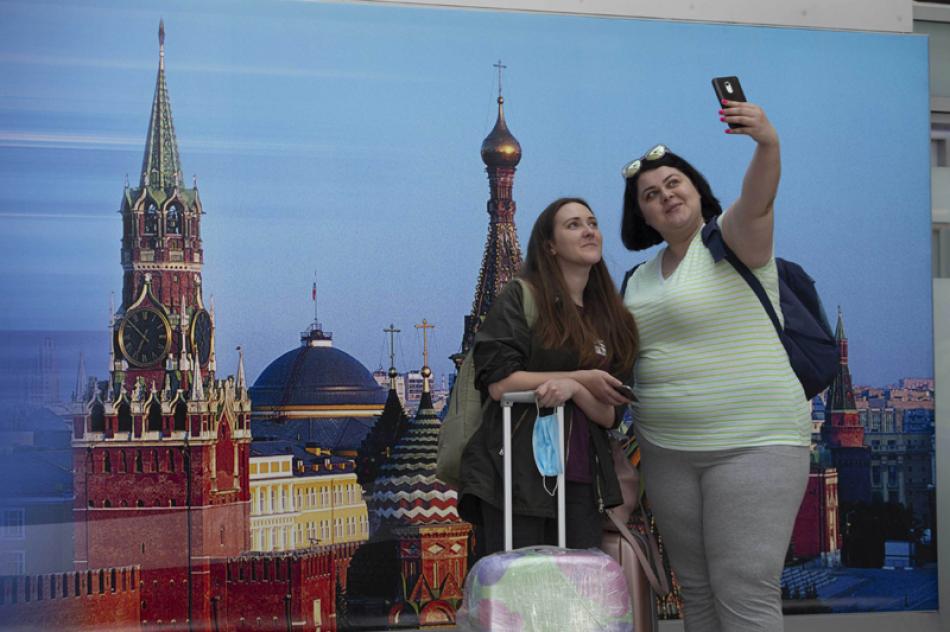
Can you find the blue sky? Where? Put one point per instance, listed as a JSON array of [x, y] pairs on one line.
[[344, 139]]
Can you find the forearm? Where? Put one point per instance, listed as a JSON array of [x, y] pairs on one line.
[[760, 184], [526, 381], [598, 412]]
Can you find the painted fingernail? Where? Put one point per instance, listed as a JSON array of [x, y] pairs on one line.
[[722, 118], [724, 102], [728, 131], [721, 112]]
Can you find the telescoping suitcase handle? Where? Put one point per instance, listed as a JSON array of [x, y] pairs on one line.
[[528, 397]]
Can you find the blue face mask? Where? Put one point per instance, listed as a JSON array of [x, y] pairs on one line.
[[546, 445]]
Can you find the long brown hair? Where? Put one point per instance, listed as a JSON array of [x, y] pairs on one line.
[[604, 317]]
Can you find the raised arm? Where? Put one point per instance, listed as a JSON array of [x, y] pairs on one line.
[[747, 226]]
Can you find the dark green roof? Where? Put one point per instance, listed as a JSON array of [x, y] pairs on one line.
[[161, 166]]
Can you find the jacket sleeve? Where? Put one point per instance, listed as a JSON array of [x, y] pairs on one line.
[[503, 342]]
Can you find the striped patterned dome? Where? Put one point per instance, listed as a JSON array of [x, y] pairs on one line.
[[407, 491]]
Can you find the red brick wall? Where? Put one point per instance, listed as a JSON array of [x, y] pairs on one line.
[[106, 599]]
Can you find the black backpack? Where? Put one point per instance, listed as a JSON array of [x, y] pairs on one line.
[[807, 337]]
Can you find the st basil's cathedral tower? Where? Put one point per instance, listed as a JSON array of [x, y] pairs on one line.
[[161, 450], [501, 261], [418, 511]]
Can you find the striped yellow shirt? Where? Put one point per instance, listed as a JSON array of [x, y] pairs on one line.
[[711, 373]]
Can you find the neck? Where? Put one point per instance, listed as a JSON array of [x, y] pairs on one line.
[[575, 278], [678, 243]]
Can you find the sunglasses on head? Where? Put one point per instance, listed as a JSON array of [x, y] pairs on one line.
[[632, 168]]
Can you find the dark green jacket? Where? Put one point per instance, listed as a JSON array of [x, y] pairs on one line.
[[503, 345]]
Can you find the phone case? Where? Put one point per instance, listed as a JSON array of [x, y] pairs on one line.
[[728, 88]]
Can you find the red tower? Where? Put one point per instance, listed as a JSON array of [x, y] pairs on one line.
[[161, 451], [842, 428], [817, 531], [842, 432], [501, 153]]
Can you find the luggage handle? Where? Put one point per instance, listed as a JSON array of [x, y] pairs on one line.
[[507, 401]]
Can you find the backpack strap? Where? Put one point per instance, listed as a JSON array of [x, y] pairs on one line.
[[712, 238], [626, 278], [527, 302]]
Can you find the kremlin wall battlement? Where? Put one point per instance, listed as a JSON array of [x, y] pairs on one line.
[[77, 599]]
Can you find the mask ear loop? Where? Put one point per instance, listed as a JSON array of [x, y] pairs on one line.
[[544, 481]]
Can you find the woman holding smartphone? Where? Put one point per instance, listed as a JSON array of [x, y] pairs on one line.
[[723, 422], [576, 352]]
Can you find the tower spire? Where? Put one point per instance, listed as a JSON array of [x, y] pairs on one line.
[[197, 387], [840, 393], [500, 66], [241, 378], [392, 331], [426, 371], [161, 166], [79, 395], [501, 153]]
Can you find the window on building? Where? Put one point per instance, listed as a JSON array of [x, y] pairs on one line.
[[125, 418], [151, 219], [12, 525], [12, 563], [97, 421], [155, 417], [181, 416], [173, 220]]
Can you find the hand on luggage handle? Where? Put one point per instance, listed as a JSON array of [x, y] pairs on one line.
[[529, 397]]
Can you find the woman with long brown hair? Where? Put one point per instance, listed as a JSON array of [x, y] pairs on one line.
[[577, 351]]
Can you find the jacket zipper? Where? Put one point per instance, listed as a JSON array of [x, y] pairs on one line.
[[600, 495]]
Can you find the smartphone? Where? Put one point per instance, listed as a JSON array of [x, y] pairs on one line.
[[626, 391], [730, 89]]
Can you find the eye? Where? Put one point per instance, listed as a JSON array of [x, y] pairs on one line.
[[649, 195]]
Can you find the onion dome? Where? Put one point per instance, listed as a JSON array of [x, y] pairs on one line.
[[407, 491], [316, 376], [500, 148]]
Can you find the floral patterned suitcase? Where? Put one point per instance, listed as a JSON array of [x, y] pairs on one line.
[[544, 588]]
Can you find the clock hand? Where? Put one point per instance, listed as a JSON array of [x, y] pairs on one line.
[[132, 325]]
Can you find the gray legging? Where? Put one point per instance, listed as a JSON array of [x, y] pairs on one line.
[[726, 518]]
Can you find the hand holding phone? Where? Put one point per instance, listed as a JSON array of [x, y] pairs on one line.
[[626, 392], [730, 89]]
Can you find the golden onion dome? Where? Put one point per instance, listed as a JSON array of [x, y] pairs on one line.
[[500, 148]]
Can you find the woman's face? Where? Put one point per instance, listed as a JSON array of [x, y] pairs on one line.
[[577, 239], [669, 202]]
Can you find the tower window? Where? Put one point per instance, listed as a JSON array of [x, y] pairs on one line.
[[173, 220], [125, 418], [151, 219], [180, 416], [97, 422], [154, 417]]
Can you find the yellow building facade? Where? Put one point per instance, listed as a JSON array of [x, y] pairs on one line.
[[298, 502]]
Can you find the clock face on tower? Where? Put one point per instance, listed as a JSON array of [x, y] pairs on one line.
[[201, 335], [144, 336]]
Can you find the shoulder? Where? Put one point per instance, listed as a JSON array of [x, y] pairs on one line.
[[507, 311], [511, 295]]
